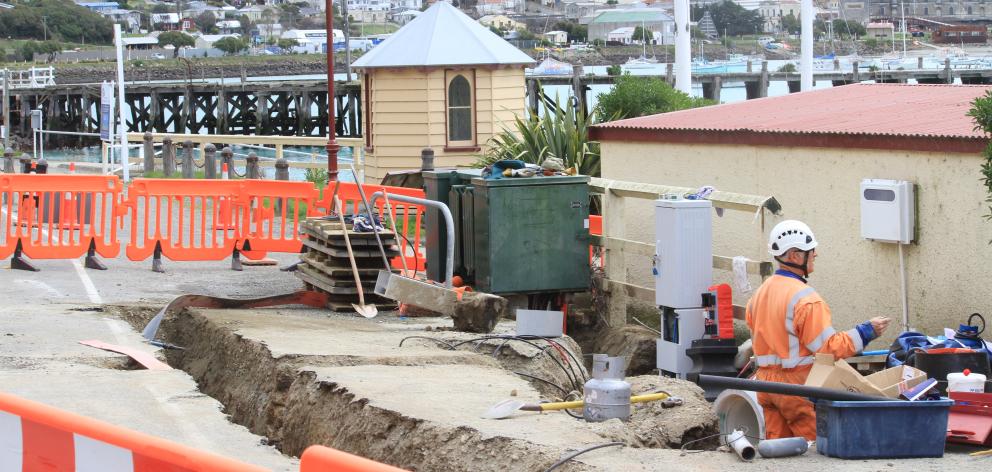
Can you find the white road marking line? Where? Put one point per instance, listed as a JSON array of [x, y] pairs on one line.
[[91, 291], [42, 285]]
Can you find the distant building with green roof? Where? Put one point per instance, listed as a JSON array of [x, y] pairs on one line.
[[654, 19]]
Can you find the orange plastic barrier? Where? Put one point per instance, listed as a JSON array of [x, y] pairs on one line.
[[408, 216], [275, 210], [38, 437], [192, 220], [59, 216], [62, 216], [325, 459]]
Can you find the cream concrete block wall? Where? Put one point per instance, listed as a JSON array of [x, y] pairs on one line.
[[408, 114], [948, 268]]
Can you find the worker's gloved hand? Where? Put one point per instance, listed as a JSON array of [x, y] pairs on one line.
[[872, 328], [879, 323], [867, 332]]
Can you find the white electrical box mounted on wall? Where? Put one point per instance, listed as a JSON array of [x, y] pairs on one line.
[[888, 211]]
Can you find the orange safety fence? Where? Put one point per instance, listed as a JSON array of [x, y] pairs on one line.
[[62, 216], [191, 220], [325, 459], [59, 216], [40, 437], [408, 216], [274, 211]]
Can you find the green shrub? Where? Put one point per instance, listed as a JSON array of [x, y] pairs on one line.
[[562, 133], [788, 68], [981, 113], [634, 96]]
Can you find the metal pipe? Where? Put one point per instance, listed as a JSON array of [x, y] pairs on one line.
[[449, 226], [806, 49], [714, 381], [332, 145], [905, 294], [683, 50], [739, 443]]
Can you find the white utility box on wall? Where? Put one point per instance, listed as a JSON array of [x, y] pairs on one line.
[[683, 262], [888, 210]]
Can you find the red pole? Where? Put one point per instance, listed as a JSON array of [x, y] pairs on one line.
[[332, 144]]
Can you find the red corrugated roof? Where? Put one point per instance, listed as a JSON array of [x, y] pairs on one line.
[[918, 111]]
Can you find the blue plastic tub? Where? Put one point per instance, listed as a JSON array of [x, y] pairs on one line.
[[881, 430]]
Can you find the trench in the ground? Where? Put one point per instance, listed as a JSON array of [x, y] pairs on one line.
[[287, 405]]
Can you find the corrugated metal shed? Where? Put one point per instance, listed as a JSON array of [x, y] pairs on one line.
[[932, 111], [442, 36]]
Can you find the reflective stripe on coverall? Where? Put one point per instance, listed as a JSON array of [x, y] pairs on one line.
[[790, 323]]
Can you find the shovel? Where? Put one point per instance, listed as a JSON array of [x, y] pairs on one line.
[[506, 408], [368, 311], [368, 210]]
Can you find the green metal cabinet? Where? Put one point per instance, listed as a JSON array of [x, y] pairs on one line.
[[516, 235]]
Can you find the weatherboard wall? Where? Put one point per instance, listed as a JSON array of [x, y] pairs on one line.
[[407, 109], [948, 267]]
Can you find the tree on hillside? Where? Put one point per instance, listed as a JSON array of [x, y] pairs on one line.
[[30, 48], [849, 28], [206, 22], [642, 34], [246, 25], [730, 17], [176, 39], [162, 8], [634, 96], [231, 45], [288, 14], [65, 21], [287, 43], [790, 24]]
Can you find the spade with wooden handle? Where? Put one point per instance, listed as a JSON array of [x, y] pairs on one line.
[[368, 311]]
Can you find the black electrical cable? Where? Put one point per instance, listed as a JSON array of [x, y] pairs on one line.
[[725, 442], [576, 385], [568, 411], [416, 258], [572, 356], [572, 376], [571, 379], [440, 341], [577, 379], [583, 451], [539, 379]]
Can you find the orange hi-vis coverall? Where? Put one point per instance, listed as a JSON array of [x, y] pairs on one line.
[[789, 324]]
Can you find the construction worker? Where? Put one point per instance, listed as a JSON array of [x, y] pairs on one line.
[[790, 323]]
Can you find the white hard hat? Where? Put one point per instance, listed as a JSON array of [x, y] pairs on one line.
[[790, 234]]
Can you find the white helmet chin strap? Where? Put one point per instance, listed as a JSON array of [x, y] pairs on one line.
[[803, 267]]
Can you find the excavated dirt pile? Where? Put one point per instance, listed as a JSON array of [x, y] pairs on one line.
[[408, 392]]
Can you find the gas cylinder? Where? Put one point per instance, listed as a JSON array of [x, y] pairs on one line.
[[606, 394]]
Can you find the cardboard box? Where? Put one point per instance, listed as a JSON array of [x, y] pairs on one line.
[[840, 375]]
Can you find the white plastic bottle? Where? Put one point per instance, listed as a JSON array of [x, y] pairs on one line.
[[966, 382]]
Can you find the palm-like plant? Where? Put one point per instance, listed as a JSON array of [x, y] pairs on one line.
[[563, 133]]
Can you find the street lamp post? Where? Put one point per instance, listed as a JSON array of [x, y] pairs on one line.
[[332, 145]]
